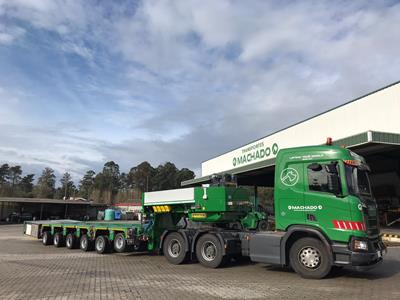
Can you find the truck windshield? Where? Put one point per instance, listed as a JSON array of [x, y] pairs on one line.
[[358, 181]]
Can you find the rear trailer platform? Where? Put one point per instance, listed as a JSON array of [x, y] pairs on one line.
[[102, 236]]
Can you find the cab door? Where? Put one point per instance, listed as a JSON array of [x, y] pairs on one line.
[[323, 200], [289, 198]]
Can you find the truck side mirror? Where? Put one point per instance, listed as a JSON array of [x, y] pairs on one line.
[[315, 167]]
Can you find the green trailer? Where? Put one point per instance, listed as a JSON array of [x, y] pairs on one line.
[[102, 236], [325, 216]]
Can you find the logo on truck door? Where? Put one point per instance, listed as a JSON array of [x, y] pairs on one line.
[[289, 176]]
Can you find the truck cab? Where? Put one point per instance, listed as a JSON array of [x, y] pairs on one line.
[[325, 213]]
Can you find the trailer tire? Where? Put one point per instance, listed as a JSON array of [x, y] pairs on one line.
[[120, 243], [174, 248], [46, 238], [85, 244], [310, 259], [70, 241], [58, 240], [209, 251], [102, 244]]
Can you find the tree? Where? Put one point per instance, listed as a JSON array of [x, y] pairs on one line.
[[67, 185], [4, 173], [26, 185], [124, 182], [141, 176], [4, 176], [15, 173], [165, 177], [184, 174], [86, 184], [46, 184], [106, 183]]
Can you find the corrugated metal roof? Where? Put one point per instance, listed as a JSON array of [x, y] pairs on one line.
[[43, 200]]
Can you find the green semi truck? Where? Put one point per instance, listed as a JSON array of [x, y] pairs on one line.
[[325, 216]]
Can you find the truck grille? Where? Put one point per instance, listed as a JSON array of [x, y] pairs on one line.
[[371, 220]]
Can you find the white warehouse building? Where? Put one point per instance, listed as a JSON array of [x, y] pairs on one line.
[[368, 125]]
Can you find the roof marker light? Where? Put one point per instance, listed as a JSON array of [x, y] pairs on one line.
[[352, 162]]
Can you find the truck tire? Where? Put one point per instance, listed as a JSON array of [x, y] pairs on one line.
[[85, 244], [58, 240], [47, 238], [174, 248], [102, 244], [120, 243], [70, 241], [209, 251], [310, 258]]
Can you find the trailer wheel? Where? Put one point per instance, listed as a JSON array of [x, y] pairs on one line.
[[174, 248], [102, 244], [209, 251], [58, 240], [310, 258], [119, 243], [85, 244], [46, 238], [70, 241]]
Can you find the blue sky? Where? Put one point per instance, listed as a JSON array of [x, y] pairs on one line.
[[83, 82]]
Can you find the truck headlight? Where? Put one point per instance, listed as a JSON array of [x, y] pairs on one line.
[[360, 245]]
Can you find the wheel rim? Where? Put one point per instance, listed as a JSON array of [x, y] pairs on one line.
[[119, 242], [174, 248], [83, 243], [209, 251], [56, 240], [100, 244], [310, 257], [68, 241], [45, 239]]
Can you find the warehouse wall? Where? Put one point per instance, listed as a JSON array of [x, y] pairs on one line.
[[377, 112]]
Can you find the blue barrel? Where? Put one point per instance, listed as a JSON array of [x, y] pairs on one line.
[[109, 215], [118, 215]]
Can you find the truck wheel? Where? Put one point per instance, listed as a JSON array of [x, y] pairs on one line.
[[58, 240], [85, 243], [119, 243], [310, 258], [46, 238], [102, 244], [174, 248], [209, 251], [70, 241]]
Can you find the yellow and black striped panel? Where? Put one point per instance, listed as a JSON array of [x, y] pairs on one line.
[[391, 236], [162, 208]]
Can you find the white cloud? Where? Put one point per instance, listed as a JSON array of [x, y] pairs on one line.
[[9, 34], [186, 80]]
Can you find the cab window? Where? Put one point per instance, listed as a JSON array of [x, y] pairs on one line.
[[323, 178]]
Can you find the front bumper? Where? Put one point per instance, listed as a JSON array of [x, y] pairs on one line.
[[360, 260]]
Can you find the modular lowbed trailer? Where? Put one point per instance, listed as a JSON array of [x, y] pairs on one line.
[[89, 235]]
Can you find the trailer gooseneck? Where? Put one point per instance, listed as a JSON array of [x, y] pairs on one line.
[[325, 216]]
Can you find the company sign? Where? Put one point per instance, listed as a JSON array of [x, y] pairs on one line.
[[254, 153]]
